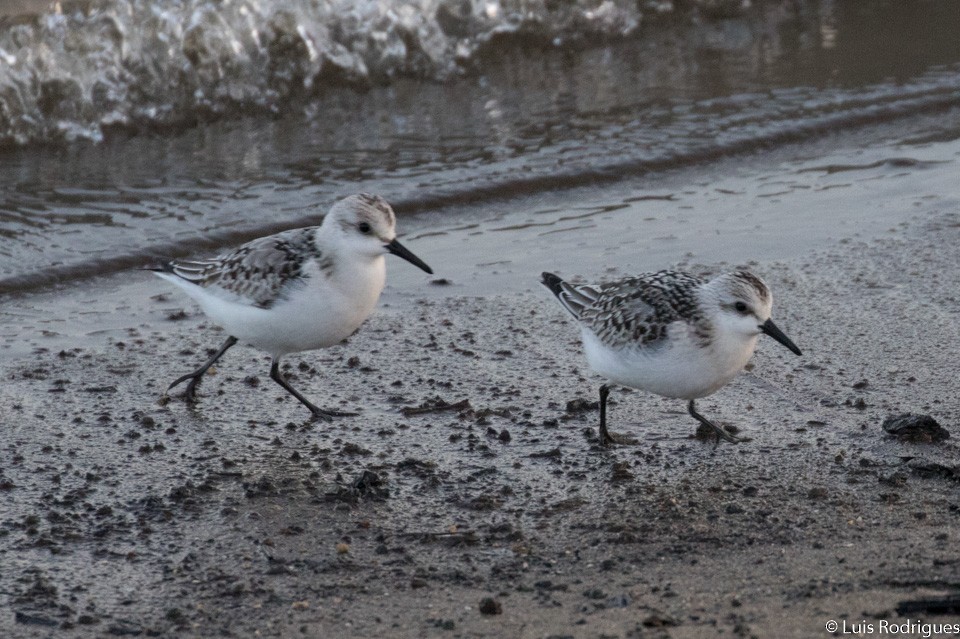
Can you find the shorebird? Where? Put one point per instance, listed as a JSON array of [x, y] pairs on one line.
[[298, 290], [670, 333]]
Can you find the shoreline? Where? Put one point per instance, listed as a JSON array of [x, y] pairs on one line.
[[126, 516], [779, 204]]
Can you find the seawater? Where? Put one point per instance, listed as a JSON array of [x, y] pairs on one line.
[[183, 150]]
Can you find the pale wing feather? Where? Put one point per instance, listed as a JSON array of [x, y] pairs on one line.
[[258, 273], [572, 299], [638, 311]]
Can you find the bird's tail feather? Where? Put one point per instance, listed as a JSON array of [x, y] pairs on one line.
[[551, 281], [166, 267], [568, 296]]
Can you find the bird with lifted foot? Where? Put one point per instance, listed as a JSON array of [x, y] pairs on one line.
[[298, 290], [670, 333]]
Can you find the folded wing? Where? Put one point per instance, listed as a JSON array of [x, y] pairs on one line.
[[259, 273]]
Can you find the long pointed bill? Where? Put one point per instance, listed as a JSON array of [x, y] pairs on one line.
[[400, 250], [771, 329]]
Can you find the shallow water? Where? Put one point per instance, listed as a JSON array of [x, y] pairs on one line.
[[778, 205], [534, 120]]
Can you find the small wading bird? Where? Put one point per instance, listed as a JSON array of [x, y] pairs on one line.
[[297, 290], [670, 333]]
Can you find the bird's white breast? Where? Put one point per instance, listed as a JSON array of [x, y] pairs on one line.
[[322, 310], [681, 367]]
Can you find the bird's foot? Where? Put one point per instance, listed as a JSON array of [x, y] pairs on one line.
[[608, 439], [328, 415], [190, 393], [712, 431]]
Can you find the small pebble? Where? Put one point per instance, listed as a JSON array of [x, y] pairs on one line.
[[490, 606]]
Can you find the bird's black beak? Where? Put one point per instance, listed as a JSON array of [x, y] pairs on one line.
[[771, 329], [400, 250]]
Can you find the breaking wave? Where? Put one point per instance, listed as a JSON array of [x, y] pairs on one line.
[[82, 67]]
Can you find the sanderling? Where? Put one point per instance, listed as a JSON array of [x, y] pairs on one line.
[[297, 290], [670, 333]]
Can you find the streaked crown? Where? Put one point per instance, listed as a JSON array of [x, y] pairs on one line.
[[742, 293], [364, 214]]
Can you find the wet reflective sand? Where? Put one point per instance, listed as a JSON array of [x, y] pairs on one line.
[[537, 121]]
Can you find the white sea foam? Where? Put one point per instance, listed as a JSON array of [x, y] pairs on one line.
[[88, 64]]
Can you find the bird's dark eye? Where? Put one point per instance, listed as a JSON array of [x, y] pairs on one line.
[[741, 307], [364, 227]]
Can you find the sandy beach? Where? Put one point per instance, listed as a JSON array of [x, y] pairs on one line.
[[469, 498]]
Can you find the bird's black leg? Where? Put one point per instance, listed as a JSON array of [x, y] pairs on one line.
[[318, 412], [605, 438], [706, 422], [194, 377]]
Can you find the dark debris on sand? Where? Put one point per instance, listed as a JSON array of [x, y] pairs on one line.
[[909, 427]]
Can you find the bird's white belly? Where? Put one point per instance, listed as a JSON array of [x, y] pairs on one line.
[[301, 324], [320, 314], [680, 369]]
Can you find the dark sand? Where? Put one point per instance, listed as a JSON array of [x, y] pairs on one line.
[[240, 517]]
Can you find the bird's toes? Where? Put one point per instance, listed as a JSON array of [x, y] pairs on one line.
[[608, 440], [623, 440], [712, 433], [336, 413]]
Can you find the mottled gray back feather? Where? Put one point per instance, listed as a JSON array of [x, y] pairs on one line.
[[638, 310], [259, 272]]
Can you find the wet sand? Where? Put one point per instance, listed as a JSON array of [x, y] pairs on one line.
[[123, 516]]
